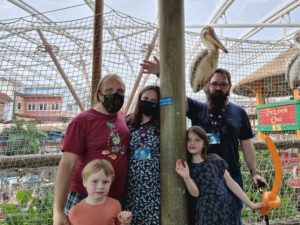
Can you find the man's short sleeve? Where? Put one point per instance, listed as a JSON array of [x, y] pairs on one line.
[[246, 131], [74, 138]]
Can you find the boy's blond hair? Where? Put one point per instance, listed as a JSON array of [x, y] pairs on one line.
[[95, 166]]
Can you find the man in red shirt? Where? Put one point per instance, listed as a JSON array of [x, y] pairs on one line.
[[98, 133]]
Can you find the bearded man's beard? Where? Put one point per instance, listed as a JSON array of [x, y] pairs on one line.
[[217, 101]]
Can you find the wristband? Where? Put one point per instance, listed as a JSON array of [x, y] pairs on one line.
[[254, 172]]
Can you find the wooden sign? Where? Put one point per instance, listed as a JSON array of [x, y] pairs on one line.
[[279, 116]]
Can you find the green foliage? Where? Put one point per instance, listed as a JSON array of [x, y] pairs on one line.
[[287, 208], [23, 138], [13, 212], [39, 211], [24, 196]]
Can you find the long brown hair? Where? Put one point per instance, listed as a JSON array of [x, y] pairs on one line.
[[136, 117], [200, 132]]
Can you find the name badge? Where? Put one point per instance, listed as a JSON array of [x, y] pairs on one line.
[[213, 138], [142, 153]]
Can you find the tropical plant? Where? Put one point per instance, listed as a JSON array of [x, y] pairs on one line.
[[23, 138], [30, 210]]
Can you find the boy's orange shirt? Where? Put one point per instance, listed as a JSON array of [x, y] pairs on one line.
[[103, 214]]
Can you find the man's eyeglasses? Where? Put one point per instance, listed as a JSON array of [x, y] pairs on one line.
[[221, 85]]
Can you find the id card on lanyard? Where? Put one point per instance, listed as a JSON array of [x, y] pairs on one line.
[[215, 136], [143, 152]]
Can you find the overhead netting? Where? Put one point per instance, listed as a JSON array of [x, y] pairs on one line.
[[44, 84]]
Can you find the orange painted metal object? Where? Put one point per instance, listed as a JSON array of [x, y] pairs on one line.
[[271, 199]]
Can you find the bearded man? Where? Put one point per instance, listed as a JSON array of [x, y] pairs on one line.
[[227, 125]]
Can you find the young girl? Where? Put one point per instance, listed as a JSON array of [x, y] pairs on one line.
[[207, 179], [143, 192], [97, 207]]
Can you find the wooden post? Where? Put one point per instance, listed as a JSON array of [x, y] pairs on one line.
[[97, 48], [173, 110], [64, 76], [260, 99], [140, 74]]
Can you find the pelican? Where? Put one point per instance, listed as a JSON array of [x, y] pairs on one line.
[[292, 74], [207, 60]]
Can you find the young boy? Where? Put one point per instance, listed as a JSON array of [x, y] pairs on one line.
[[97, 208]]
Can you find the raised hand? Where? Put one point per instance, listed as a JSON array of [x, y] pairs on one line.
[[182, 169], [151, 66]]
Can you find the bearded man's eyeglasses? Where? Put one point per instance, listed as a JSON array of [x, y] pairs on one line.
[[221, 85]]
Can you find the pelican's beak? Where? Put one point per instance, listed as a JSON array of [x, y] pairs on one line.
[[212, 37]]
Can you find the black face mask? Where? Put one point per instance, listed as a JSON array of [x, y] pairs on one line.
[[149, 108], [113, 102]]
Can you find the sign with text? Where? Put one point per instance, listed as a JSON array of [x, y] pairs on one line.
[[279, 116]]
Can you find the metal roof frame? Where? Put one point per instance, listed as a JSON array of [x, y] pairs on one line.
[[219, 11], [284, 9]]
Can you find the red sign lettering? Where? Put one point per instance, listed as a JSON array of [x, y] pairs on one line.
[[278, 115]]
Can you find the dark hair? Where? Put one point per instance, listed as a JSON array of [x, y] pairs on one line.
[[220, 71], [135, 118], [201, 133]]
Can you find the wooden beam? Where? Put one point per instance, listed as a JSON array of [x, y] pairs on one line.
[[29, 161], [280, 144], [48, 48], [260, 99], [139, 76], [97, 49], [172, 110]]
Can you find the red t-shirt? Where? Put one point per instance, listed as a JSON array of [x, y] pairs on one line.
[[94, 135], [103, 214]]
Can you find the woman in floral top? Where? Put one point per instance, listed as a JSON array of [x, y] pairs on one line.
[[143, 194]]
